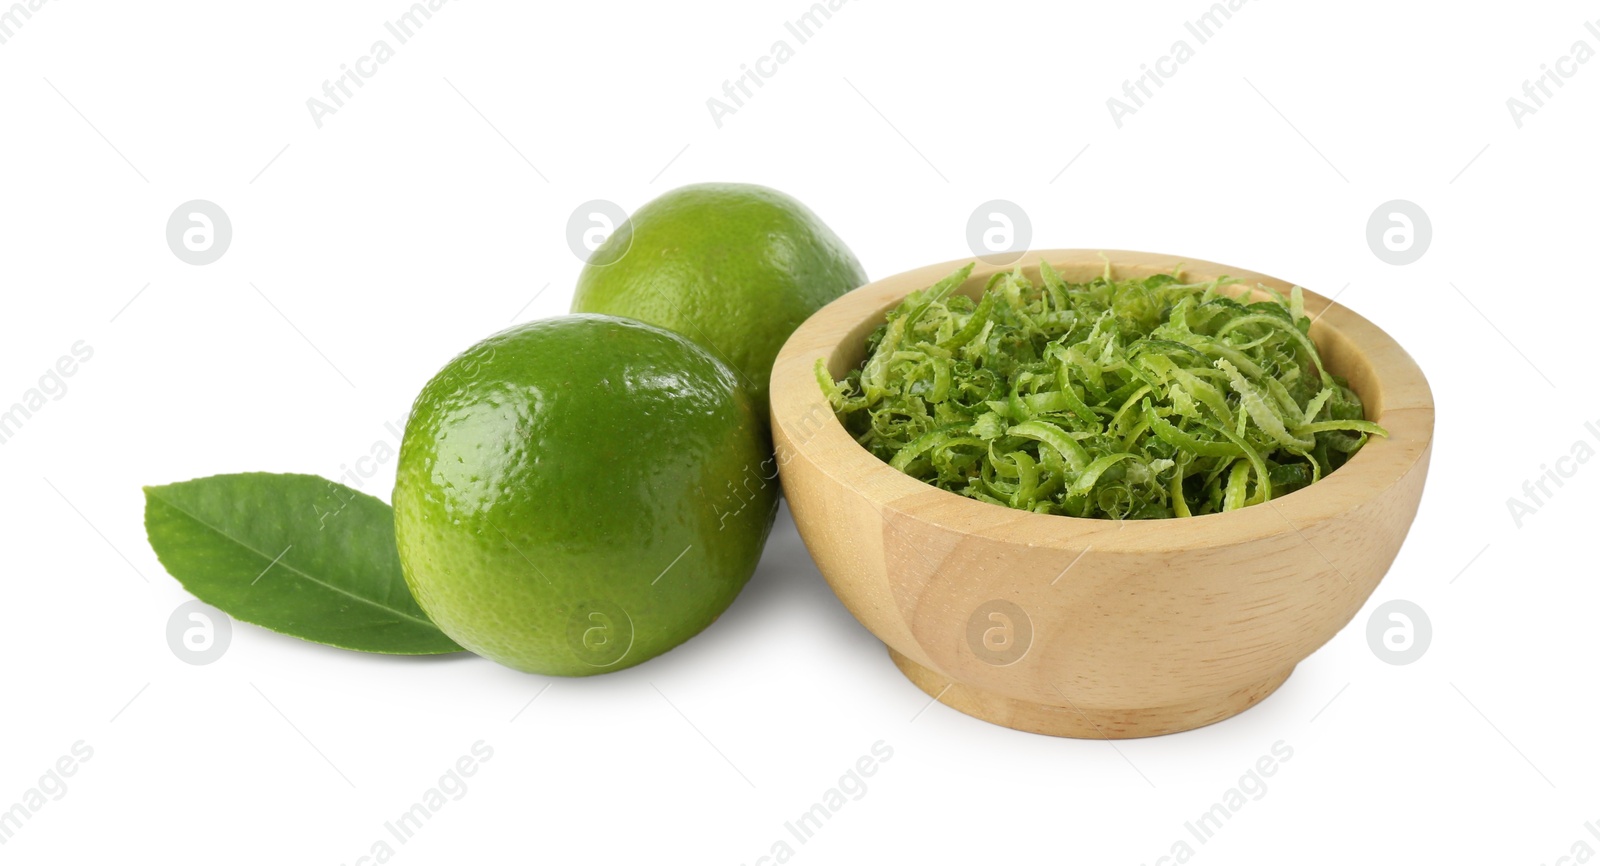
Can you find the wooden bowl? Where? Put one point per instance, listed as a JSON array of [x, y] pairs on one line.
[[1097, 628]]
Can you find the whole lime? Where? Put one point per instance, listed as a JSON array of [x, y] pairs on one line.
[[580, 494], [732, 266]]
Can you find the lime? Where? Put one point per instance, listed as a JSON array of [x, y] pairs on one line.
[[734, 267], [580, 494]]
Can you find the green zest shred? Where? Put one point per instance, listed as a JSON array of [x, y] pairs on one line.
[[1136, 398]]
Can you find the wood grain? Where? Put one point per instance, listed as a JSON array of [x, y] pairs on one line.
[[1137, 627]]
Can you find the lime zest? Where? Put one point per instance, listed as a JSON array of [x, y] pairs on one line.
[[1136, 398]]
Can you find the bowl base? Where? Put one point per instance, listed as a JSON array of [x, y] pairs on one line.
[[1088, 724]]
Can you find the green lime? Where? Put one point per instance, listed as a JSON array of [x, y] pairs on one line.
[[734, 267], [581, 494]]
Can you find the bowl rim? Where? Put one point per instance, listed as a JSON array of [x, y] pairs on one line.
[[1407, 412]]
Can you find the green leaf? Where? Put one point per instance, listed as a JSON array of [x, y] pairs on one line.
[[296, 554]]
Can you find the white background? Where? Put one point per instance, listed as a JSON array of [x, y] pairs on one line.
[[416, 221]]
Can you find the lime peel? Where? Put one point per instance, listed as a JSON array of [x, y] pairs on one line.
[[1134, 398]]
